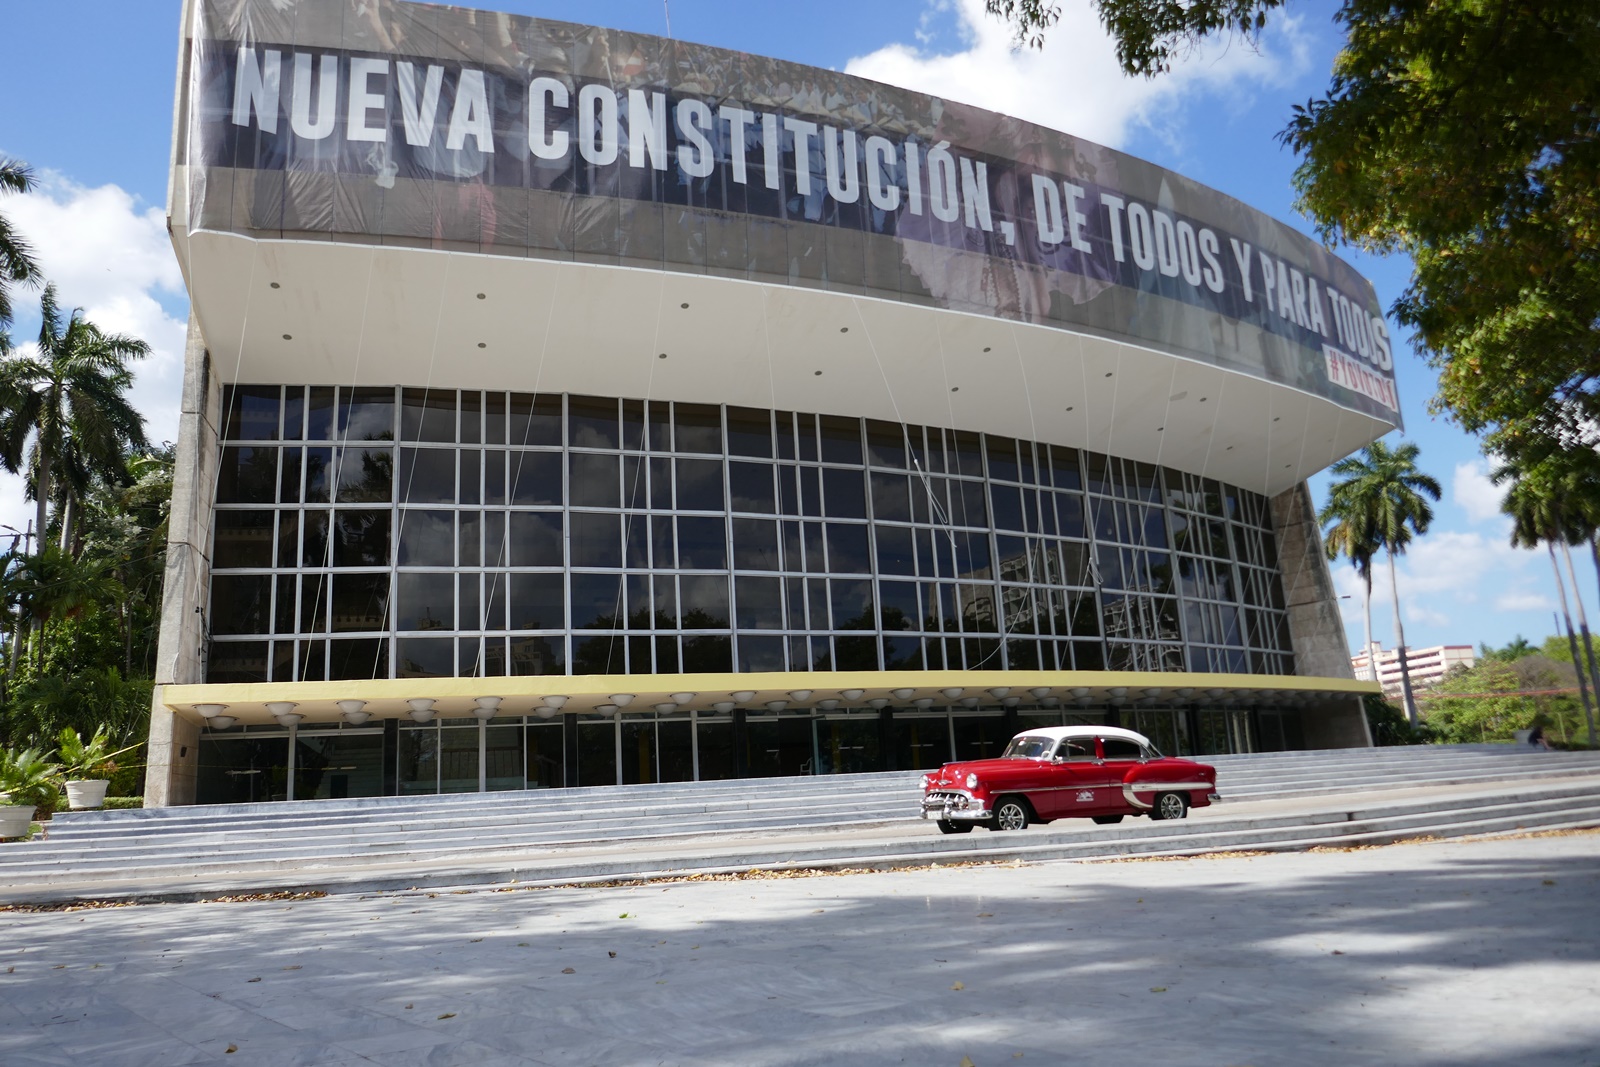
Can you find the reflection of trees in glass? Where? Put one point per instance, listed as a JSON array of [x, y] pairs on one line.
[[361, 538], [707, 653], [366, 474], [598, 655]]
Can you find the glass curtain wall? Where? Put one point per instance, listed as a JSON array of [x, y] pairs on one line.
[[408, 533]]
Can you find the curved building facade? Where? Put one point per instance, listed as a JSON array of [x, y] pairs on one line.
[[567, 406]]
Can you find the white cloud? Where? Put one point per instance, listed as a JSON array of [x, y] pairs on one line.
[[1074, 83], [1523, 600], [1474, 493], [109, 254]]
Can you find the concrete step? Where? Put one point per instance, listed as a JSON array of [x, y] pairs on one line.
[[1565, 805]]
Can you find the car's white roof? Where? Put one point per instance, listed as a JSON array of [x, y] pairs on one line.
[[1056, 733]]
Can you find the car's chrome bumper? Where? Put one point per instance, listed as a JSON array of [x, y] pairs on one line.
[[953, 805]]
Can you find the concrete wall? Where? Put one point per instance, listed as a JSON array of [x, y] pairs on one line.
[[180, 652], [1320, 648]]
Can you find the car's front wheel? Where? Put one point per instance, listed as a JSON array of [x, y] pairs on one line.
[[1010, 814], [1169, 806], [950, 826]]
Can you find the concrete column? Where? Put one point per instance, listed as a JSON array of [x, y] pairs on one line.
[[180, 651], [1315, 628]]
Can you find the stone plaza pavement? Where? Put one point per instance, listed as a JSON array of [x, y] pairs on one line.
[[1433, 953]]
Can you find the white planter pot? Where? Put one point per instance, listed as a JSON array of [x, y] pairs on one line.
[[89, 793], [14, 820]]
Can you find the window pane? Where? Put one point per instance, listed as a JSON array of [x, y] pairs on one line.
[[700, 485], [358, 659], [592, 423], [319, 414], [426, 538], [841, 439], [425, 602], [702, 544], [360, 538], [596, 601], [535, 420], [535, 654], [425, 657], [240, 603], [289, 476], [242, 539], [596, 540], [535, 539], [749, 432], [705, 601], [247, 476], [427, 476], [360, 602], [697, 427], [366, 414], [751, 487], [536, 477], [755, 544], [594, 481], [364, 474], [760, 603], [537, 602], [319, 475], [852, 605], [846, 493], [847, 549], [251, 413], [428, 415]]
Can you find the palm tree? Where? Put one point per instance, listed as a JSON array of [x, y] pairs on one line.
[[67, 406], [1535, 504], [16, 258], [1382, 489], [1352, 537]]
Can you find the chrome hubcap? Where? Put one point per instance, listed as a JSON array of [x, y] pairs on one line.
[[1010, 817], [1171, 807]]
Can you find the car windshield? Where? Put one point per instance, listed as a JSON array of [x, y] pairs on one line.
[[1028, 748]]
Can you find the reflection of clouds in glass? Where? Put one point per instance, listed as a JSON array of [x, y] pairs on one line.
[[427, 538]]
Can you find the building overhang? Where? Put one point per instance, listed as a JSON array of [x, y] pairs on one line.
[[328, 313], [631, 694]]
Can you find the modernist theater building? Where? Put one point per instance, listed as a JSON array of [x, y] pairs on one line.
[[573, 407]]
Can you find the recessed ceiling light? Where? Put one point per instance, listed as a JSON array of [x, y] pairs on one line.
[[483, 296], [288, 337], [662, 356], [1069, 408], [684, 306], [1108, 374], [955, 388], [1286, 466], [844, 329], [275, 285], [816, 373], [986, 349], [1275, 418], [1160, 428], [1228, 449], [482, 345]]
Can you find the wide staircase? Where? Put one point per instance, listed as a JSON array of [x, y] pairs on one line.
[[1270, 801]]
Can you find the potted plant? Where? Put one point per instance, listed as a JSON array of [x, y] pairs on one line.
[[87, 766], [27, 784]]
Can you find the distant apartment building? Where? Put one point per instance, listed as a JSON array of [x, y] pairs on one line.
[[1427, 666]]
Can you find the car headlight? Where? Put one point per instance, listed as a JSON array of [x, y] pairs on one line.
[[926, 781], [972, 781]]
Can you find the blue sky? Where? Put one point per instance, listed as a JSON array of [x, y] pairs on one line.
[[97, 126]]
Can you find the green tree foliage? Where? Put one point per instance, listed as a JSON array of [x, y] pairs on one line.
[[1499, 697], [16, 257], [1465, 134], [1382, 496], [65, 413]]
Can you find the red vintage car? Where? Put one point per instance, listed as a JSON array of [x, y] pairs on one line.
[[1064, 772]]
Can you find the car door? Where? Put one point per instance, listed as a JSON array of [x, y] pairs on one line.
[[1119, 757], [1071, 773]]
